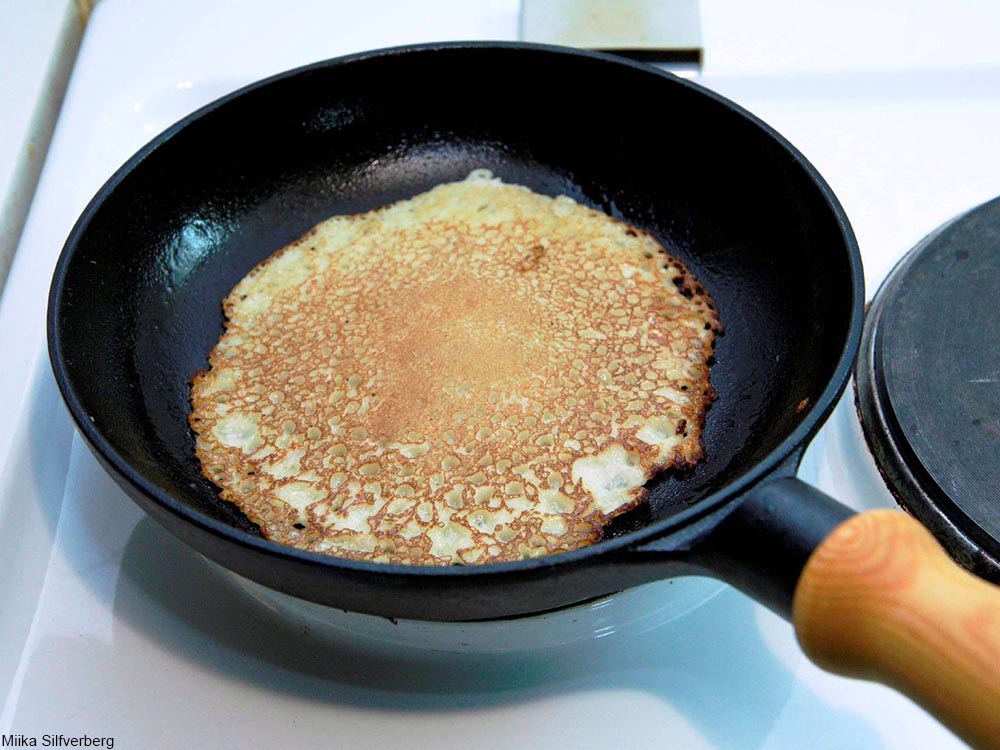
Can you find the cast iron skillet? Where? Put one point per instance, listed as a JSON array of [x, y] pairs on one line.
[[135, 301]]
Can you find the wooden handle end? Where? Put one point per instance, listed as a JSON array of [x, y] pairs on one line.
[[879, 599]]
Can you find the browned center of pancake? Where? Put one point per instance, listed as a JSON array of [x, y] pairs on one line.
[[447, 343]]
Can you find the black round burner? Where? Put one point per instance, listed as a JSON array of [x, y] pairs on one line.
[[928, 385]]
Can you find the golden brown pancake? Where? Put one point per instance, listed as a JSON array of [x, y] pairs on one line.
[[477, 374]]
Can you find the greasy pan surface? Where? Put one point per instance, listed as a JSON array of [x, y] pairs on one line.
[[136, 299]]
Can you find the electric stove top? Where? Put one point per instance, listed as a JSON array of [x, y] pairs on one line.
[[112, 630], [927, 385]]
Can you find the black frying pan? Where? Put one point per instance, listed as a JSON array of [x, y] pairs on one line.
[[135, 302]]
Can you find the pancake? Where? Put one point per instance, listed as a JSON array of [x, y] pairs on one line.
[[477, 374]]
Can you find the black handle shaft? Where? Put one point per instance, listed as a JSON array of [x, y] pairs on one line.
[[762, 546]]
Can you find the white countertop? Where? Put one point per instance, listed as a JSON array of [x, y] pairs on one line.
[[38, 44], [897, 106]]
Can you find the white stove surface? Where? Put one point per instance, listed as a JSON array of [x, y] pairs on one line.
[[109, 628]]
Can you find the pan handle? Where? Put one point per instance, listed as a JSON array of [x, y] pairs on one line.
[[871, 595], [879, 599]]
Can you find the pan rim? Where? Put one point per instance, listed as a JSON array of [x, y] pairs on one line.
[[792, 443]]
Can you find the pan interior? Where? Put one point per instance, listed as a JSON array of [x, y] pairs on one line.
[[138, 300]]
